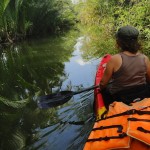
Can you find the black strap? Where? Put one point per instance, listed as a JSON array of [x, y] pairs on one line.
[[136, 119], [128, 112], [119, 127], [106, 138], [143, 130]]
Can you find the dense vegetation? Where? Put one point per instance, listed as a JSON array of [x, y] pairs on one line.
[[21, 18], [103, 17]]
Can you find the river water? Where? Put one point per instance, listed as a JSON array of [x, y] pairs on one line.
[[40, 67]]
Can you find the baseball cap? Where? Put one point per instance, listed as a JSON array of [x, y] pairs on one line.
[[127, 32]]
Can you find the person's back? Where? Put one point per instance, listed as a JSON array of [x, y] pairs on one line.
[[132, 72], [129, 71]]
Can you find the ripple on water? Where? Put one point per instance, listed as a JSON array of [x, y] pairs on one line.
[[65, 134]]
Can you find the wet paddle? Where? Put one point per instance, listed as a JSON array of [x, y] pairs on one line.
[[56, 99]]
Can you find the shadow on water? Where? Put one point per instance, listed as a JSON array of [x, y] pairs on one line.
[[36, 68]]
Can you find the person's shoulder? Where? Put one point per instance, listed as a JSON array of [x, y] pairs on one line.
[[116, 57], [146, 59], [115, 60], [145, 56]]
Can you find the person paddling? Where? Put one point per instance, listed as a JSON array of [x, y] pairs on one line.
[[128, 71]]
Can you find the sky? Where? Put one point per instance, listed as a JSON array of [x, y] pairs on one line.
[[76, 1]]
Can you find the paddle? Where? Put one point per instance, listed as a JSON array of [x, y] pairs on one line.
[[56, 99]]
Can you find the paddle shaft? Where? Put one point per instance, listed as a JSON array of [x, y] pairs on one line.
[[53, 100], [87, 89]]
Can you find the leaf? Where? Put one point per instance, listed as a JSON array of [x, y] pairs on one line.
[[4, 5], [14, 104]]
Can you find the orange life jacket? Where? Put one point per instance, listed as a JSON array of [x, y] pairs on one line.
[[139, 123], [121, 123], [135, 145]]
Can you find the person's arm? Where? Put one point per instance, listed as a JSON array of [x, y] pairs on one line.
[[147, 61], [107, 73]]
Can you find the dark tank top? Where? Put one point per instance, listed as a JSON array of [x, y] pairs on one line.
[[131, 73]]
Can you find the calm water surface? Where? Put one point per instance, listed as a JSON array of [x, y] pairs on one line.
[[37, 68]]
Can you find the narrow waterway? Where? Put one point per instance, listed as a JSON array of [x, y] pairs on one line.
[[37, 68]]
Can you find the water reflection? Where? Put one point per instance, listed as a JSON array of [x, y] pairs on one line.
[[80, 72], [36, 68]]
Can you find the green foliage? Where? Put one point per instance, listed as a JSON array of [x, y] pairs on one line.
[[137, 15], [15, 140], [3, 6], [19, 18], [18, 119], [12, 103], [10, 114], [101, 19]]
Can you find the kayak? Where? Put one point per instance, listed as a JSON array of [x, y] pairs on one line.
[[128, 138], [99, 107]]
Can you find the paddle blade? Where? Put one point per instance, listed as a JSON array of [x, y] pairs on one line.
[[53, 100]]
